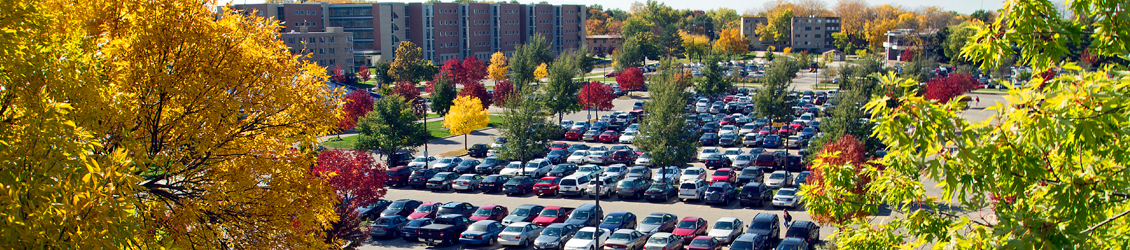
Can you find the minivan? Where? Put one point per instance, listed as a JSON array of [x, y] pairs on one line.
[[574, 185]]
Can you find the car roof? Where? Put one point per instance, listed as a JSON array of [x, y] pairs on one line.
[[690, 218], [557, 225], [489, 206], [728, 219], [749, 237], [549, 178], [719, 184], [453, 204], [518, 224], [625, 230], [553, 207], [619, 213], [791, 241], [586, 206], [484, 222], [764, 217]]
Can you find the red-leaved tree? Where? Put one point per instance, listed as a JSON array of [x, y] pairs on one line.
[[847, 151], [630, 79], [338, 75], [944, 89], [357, 104], [476, 70], [358, 181], [364, 73], [411, 94], [476, 89], [502, 91], [596, 95], [454, 70]]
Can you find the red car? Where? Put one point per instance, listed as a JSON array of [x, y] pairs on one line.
[[689, 228], [398, 176], [705, 243], [574, 134], [612, 74], [552, 214], [785, 131], [609, 136], [767, 130], [796, 126], [426, 210], [490, 212], [547, 185], [558, 145], [728, 120], [723, 175]]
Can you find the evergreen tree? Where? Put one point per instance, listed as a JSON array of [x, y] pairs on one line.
[[443, 94], [664, 134], [712, 82]]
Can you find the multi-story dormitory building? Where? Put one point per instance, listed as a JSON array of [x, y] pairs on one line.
[[442, 30], [807, 33]]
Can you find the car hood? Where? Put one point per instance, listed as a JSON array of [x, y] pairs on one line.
[[774, 180], [683, 231], [610, 227], [544, 219], [719, 233], [648, 228], [576, 221], [546, 239], [418, 215], [512, 218], [578, 243], [719, 178], [742, 163], [479, 218]]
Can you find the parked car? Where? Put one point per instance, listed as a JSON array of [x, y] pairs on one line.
[[402, 207], [771, 141], [752, 140], [625, 239], [704, 243], [573, 185], [632, 187], [423, 162], [493, 183], [617, 220], [742, 161], [574, 134], [604, 187], [588, 238], [591, 170], [587, 215], [425, 210], [442, 181], [444, 229], [467, 182], [478, 150], [398, 176], [721, 193], [519, 234], [490, 212], [751, 242], [668, 173], [552, 214], [410, 231], [723, 175], [801, 179], [387, 226], [664, 241], [624, 156], [481, 233], [616, 171], [718, 161], [726, 229], [557, 156], [578, 157], [490, 165], [766, 224], [690, 227], [787, 197], [691, 174], [793, 243], [708, 139], [537, 168], [638, 172], [707, 152], [547, 186], [609, 136], [755, 194], [779, 179], [554, 236], [520, 185], [523, 213], [795, 163], [591, 135], [661, 191], [807, 231], [420, 177], [460, 208], [770, 160], [657, 223], [562, 170], [512, 169], [693, 190], [466, 166], [628, 137], [598, 157], [643, 160], [747, 175]]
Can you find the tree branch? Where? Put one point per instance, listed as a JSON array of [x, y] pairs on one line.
[[1108, 220]]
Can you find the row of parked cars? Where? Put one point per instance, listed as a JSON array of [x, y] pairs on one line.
[[586, 227]]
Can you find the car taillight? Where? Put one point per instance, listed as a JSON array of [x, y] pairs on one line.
[[441, 234], [417, 231]]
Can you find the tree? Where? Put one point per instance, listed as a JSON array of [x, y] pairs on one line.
[[357, 104], [713, 83], [404, 67], [731, 41], [844, 157], [526, 128], [694, 46], [561, 92], [475, 69], [944, 89], [631, 79], [527, 58], [663, 133], [596, 95], [542, 71], [381, 69], [635, 27], [771, 100], [984, 16], [786, 51], [443, 94], [628, 55], [411, 94], [502, 94], [357, 180], [595, 27], [477, 90], [467, 115], [778, 28], [453, 68], [126, 137], [364, 73], [725, 18], [498, 68], [957, 38], [391, 126], [339, 76]]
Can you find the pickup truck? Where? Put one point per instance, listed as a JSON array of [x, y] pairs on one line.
[[445, 229]]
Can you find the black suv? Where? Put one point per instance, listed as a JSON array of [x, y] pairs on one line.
[[755, 194], [805, 230], [419, 178], [478, 150], [766, 224]]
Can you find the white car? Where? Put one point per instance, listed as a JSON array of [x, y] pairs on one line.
[[726, 229], [694, 190], [787, 197], [512, 169], [778, 179], [692, 174], [588, 238], [617, 170], [598, 157], [519, 234], [706, 152], [748, 128], [701, 107], [635, 127], [728, 129], [538, 168], [578, 157], [582, 125], [421, 162], [591, 170], [667, 173], [733, 153], [628, 137], [492, 152], [644, 160], [806, 118]]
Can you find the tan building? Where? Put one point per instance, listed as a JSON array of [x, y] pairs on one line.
[[749, 30], [814, 33], [327, 48], [602, 45], [901, 40]]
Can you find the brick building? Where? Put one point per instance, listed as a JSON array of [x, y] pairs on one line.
[[602, 45], [806, 33], [328, 48]]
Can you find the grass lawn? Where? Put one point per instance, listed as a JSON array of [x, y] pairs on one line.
[[435, 130], [431, 115], [365, 85], [345, 142]]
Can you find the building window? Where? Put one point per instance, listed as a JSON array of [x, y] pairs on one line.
[[807, 28], [331, 51], [332, 62], [331, 39], [817, 35], [322, 39], [322, 51]]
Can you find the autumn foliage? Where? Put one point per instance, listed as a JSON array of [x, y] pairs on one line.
[[844, 156], [944, 89], [411, 94], [476, 70], [358, 181], [502, 92], [631, 79], [357, 104], [596, 95], [476, 90], [364, 73]]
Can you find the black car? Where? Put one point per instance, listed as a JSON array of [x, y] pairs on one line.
[[727, 140], [519, 185], [709, 127], [467, 166], [419, 178], [373, 211], [400, 158], [793, 243], [493, 183], [402, 207], [720, 193], [755, 194], [801, 178], [661, 192], [563, 170], [795, 163], [490, 165], [456, 208], [718, 161], [410, 230], [751, 242], [478, 150], [708, 139], [767, 224], [804, 230], [751, 174], [557, 156]]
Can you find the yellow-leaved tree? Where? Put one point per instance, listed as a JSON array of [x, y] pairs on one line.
[[730, 41], [466, 115], [144, 124], [542, 71], [787, 50], [498, 67], [694, 46]]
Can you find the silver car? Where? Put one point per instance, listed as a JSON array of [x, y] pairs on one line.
[[779, 179], [607, 187], [447, 164], [555, 235], [467, 182], [727, 229], [519, 234], [661, 241], [625, 239], [742, 161]]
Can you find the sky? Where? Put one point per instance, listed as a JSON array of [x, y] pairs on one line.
[[961, 6]]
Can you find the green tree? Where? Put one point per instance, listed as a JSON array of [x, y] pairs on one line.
[[405, 66], [443, 94], [628, 55], [526, 127], [526, 59], [779, 27], [712, 82], [561, 90], [959, 35], [772, 99], [381, 69], [636, 26], [389, 127], [664, 134]]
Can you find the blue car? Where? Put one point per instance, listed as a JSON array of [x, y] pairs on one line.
[[409, 230], [771, 141], [481, 233], [807, 133], [618, 220], [387, 226]]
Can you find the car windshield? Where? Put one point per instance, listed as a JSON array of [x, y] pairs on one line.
[[620, 236], [513, 229], [629, 133], [490, 161], [798, 232], [777, 176], [420, 160], [383, 221], [687, 224], [724, 225], [743, 158], [658, 240], [750, 171], [613, 219], [586, 169], [625, 184], [396, 205], [466, 178], [545, 181], [715, 189], [579, 215], [721, 172], [446, 160], [786, 192], [652, 220], [521, 212], [514, 166], [478, 227], [709, 151], [416, 223], [553, 231], [557, 152], [687, 186], [561, 168], [615, 169], [584, 235], [581, 153], [788, 247], [425, 209], [700, 243], [482, 212], [693, 171], [550, 213]]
